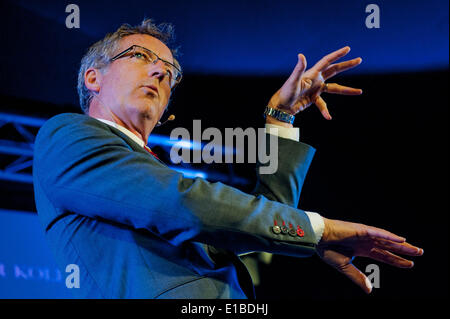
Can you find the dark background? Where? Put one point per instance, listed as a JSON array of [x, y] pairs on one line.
[[381, 161]]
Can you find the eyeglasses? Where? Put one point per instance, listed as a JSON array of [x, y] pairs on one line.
[[148, 56]]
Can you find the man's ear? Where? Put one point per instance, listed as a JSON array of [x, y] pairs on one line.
[[93, 79]]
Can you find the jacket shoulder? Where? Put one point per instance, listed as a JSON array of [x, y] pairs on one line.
[[65, 123], [64, 119]]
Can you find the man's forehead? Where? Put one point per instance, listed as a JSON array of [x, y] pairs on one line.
[[146, 41]]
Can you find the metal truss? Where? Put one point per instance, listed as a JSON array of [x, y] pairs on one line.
[[19, 153]]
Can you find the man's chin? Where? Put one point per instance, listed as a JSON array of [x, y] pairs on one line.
[[147, 108]]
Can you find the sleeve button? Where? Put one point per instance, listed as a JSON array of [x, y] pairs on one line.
[[300, 232], [276, 229]]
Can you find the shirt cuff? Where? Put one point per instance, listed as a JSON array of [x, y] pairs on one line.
[[317, 224], [292, 133]]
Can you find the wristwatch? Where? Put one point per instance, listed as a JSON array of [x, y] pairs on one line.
[[279, 115]]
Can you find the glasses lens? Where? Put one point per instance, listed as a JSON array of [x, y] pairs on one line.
[[145, 55], [175, 74], [151, 57]]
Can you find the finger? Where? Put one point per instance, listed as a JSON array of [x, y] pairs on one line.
[[355, 275], [330, 58], [337, 68], [299, 69], [399, 248], [335, 88], [377, 233], [390, 258], [322, 106], [301, 105]]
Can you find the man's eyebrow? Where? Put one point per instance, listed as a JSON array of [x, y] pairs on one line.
[[158, 54]]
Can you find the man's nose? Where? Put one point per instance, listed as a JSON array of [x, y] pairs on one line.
[[157, 70]]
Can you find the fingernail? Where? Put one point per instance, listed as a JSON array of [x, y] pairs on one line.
[[369, 285]]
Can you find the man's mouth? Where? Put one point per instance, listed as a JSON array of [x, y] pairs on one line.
[[152, 87]]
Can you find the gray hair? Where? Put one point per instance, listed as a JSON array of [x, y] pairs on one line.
[[99, 54]]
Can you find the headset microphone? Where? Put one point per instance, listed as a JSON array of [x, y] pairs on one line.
[[170, 118]]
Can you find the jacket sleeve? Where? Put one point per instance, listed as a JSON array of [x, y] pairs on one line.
[[84, 169], [285, 185]]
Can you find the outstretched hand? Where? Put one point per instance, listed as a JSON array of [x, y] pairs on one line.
[[342, 241], [304, 88]]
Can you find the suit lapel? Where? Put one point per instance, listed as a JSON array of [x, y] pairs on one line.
[[133, 145]]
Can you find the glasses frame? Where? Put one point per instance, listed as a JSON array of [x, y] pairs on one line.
[[122, 54]]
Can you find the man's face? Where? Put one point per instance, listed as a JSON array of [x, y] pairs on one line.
[[135, 91]]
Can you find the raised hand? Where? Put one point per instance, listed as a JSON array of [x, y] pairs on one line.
[[304, 88], [342, 241]]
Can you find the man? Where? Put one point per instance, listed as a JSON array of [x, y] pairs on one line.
[[138, 229]]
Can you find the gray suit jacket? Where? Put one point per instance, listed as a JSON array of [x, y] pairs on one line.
[[138, 229]]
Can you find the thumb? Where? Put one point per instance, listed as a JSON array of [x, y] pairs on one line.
[[355, 275], [299, 68]]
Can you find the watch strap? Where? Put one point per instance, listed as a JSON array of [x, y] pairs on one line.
[[279, 115]]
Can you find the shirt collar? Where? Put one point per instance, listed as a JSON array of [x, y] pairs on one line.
[[124, 131]]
